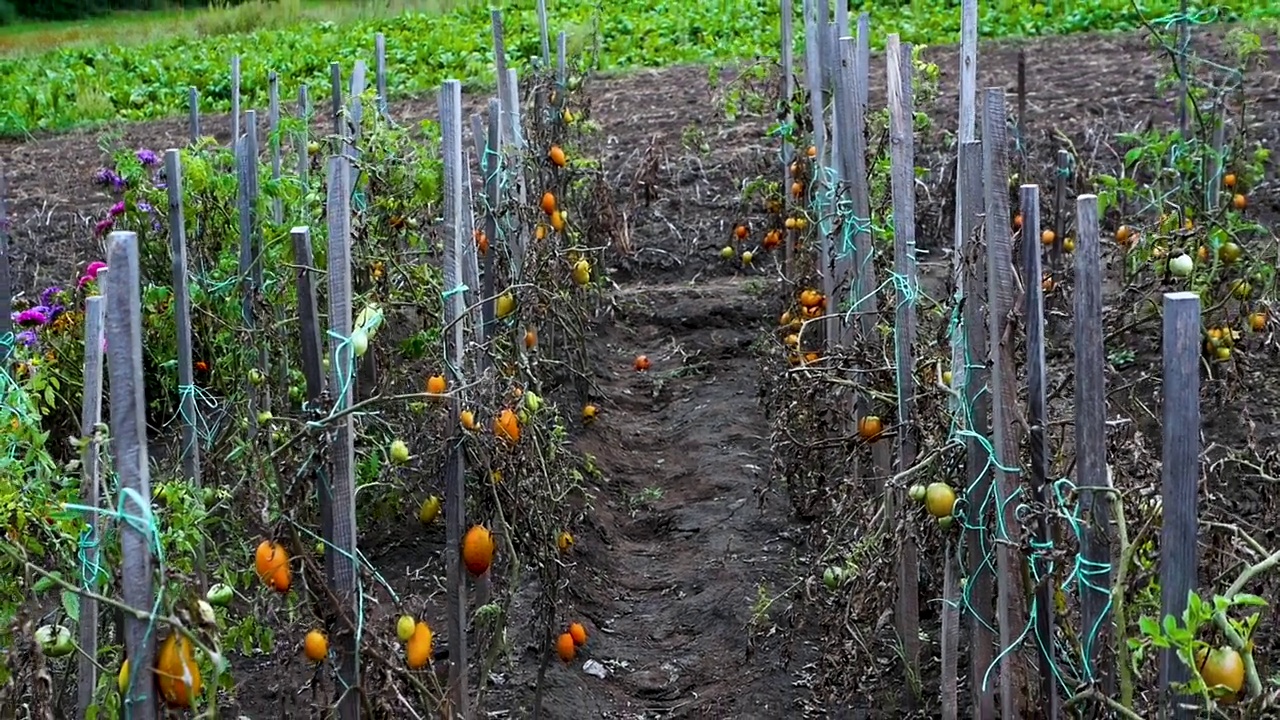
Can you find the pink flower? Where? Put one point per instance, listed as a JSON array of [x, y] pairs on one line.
[[117, 209], [34, 316], [91, 273], [103, 227]]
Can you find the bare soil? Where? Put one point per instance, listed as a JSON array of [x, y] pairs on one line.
[[684, 550]]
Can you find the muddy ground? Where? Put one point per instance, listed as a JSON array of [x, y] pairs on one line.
[[683, 543]]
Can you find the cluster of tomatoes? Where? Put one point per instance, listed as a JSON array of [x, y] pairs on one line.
[[810, 305], [772, 238], [569, 641]]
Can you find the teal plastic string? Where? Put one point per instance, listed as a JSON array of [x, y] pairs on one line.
[[90, 570], [196, 394], [374, 322], [145, 524], [784, 130], [344, 351], [1082, 576], [993, 504]]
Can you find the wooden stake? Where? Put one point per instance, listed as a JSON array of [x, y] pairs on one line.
[[340, 538], [455, 485], [129, 450], [90, 497]]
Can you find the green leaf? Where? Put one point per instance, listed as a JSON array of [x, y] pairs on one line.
[[1245, 599], [71, 604], [44, 584], [1149, 627], [1180, 637]]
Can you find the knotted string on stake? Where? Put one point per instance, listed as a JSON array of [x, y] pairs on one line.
[[344, 351], [1084, 573], [144, 523], [445, 295]]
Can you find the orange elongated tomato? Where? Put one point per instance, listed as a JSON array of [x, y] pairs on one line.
[[477, 550], [507, 426], [565, 647], [268, 559], [177, 672], [417, 651]]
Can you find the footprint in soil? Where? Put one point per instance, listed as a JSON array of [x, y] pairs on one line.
[[685, 549]]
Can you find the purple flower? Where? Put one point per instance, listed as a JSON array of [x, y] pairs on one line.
[[147, 157], [144, 206], [103, 227], [117, 209], [107, 176], [32, 317], [49, 293], [27, 338]]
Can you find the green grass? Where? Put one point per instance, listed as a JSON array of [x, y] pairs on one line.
[[138, 28], [138, 68]]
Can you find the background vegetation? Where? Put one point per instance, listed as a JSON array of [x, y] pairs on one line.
[[106, 69]]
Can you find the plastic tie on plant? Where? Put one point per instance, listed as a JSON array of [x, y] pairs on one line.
[[344, 377], [144, 523], [1202, 16], [197, 394], [461, 288], [370, 319], [783, 130], [1013, 647], [90, 569], [358, 558], [1083, 574]]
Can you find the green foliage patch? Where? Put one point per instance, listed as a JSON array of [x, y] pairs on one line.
[[72, 86]]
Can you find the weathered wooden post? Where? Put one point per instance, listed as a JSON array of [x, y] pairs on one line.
[[1000, 297], [1038, 418], [1091, 440], [190, 447], [235, 100], [1180, 478], [455, 485], [340, 537], [975, 415], [903, 183], [129, 450], [90, 497]]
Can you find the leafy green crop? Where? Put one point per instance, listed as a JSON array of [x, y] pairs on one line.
[[66, 87]]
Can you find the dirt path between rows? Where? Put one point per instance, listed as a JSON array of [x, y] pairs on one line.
[[686, 544]]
